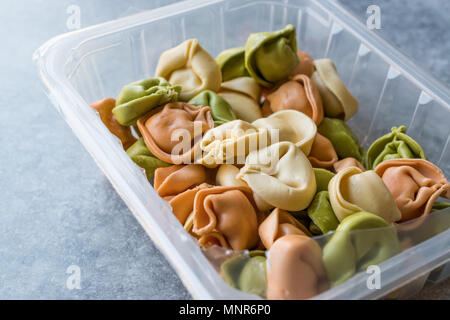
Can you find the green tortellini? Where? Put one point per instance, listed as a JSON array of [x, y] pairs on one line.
[[246, 272], [343, 139], [315, 230], [349, 251], [271, 56], [139, 153], [232, 63], [220, 109], [394, 145], [440, 205], [323, 177], [138, 98], [322, 214]]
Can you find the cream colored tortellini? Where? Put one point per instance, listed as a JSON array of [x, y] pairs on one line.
[[191, 67], [243, 96], [338, 102], [352, 190], [281, 175], [293, 126], [231, 142], [226, 176]]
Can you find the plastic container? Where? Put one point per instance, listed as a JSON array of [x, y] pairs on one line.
[[87, 65]]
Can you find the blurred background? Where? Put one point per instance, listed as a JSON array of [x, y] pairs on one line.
[[57, 208]]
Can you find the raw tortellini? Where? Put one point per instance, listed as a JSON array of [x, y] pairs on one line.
[[295, 269], [243, 95], [232, 63], [347, 162], [323, 178], [350, 251], [415, 184], [220, 109], [394, 145], [278, 224], [138, 98], [209, 239], [271, 56], [305, 66], [178, 185], [344, 141], [140, 154], [322, 214], [231, 212], [292, 126], [322, 153], [299, 94], [246, 272], [226, 176], [280, 175], [440, 205], [162, 131], [191, 67], [338, 102], [104, 108], [352, 190], [231, 142]]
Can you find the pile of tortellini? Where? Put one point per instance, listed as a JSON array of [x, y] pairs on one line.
[[267, 162]]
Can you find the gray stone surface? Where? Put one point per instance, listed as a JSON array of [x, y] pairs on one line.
[[57, 208], [418, 28]]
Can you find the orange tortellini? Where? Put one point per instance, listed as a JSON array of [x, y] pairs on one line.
[[104, 108], [170, 133], [415, 184], [295, 269], [178, 185], [229, 212], [278, 224], [300, 94]]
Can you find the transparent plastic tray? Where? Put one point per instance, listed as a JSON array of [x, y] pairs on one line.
[[93, 63]]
